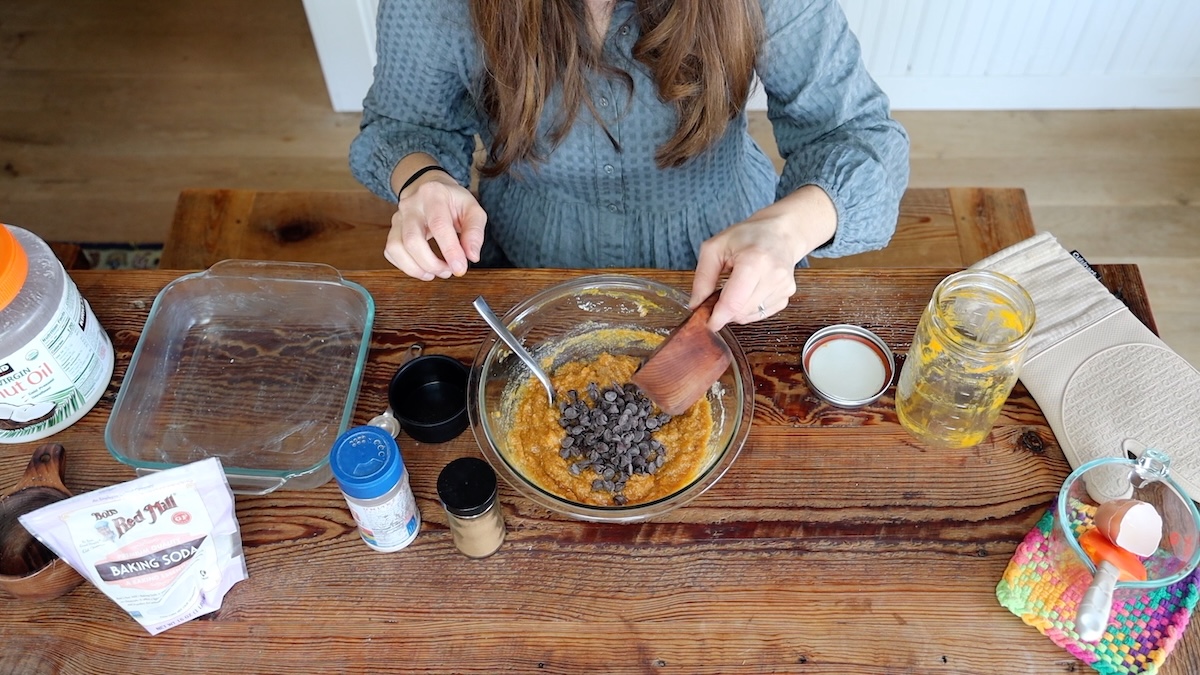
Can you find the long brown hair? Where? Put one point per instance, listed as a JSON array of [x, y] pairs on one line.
[[700, 53]]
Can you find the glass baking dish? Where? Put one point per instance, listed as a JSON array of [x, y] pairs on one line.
[[257, 363]]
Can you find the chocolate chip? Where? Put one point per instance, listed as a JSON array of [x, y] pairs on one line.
[[610, 433]]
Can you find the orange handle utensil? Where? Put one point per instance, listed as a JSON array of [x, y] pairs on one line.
[[1113, 564], [1100, 549]]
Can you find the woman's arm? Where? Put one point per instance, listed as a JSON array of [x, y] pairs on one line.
[[419, 101], [419, 113], [832, 122], [846, 165]]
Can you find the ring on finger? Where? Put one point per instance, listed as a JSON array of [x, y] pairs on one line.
[[762, 310]]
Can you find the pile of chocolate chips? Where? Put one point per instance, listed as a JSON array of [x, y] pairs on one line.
[[610, 434]]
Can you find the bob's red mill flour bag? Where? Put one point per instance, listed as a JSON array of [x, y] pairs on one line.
[[165, 547]]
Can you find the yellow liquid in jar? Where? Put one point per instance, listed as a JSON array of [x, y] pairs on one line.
[[936, 416], [946, 398]]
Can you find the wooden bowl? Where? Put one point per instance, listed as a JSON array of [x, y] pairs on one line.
[[29, 570]]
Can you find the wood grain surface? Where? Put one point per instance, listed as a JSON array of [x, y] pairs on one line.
[[834, 544], [937, 227]]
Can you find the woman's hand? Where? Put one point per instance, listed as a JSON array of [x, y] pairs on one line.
[[435, 208], [760, 254]]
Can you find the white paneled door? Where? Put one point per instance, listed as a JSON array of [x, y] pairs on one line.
[[344, 34], [934, 54]]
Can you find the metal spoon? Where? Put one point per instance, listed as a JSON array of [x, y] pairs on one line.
[[514, 344]]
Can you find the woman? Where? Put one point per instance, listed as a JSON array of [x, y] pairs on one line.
[[615, 133]]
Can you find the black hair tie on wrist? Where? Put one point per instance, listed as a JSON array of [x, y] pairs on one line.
[[420, 172]]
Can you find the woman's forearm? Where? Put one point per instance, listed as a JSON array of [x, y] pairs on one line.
[[812, 217]]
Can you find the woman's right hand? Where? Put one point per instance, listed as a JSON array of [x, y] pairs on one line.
[[435, 208]]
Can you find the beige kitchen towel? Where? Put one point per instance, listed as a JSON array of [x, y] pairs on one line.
[[1103, 380]]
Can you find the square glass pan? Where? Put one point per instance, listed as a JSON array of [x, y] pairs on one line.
[[257, 363]]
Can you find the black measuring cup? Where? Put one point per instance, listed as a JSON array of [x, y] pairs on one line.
[[428, 396]]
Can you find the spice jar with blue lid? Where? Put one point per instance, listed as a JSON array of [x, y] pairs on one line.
[[367, 465]]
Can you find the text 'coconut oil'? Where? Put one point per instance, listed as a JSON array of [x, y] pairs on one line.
[[55, 359]]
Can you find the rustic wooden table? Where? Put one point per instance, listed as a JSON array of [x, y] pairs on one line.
[[835, 543], [937, 227]]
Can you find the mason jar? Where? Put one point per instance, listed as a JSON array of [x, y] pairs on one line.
[[964, 359]]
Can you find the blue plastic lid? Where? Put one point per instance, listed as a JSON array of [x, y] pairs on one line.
[[366, 462]]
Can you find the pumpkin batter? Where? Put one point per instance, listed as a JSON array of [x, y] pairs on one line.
[[535, 436]]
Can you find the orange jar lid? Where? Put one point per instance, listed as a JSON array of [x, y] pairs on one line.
[[14, 265]]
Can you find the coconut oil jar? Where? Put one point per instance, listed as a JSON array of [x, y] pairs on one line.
[[55, 359]]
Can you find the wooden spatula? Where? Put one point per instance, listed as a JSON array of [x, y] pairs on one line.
[[692, 358]]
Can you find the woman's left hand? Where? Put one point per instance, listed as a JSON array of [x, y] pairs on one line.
[[760, 254]]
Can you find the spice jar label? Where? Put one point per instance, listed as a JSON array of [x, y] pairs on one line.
[[391, 524]]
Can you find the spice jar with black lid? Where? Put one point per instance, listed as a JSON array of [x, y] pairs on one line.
[[467, 489]]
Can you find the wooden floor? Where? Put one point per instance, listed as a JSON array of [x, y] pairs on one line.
[[109, 109]]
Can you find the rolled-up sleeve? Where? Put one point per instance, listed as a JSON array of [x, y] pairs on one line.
[[832, 122], [419, 100]]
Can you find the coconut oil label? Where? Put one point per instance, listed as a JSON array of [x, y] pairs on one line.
[[57, 376]]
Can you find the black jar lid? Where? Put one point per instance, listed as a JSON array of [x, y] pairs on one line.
[[467, 487]]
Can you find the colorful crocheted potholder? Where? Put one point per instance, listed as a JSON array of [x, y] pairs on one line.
[[1142, 631]]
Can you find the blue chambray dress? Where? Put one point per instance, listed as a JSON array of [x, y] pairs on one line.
[[593, 203]]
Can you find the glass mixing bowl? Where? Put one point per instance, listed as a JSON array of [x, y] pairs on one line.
[[554, 325]]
